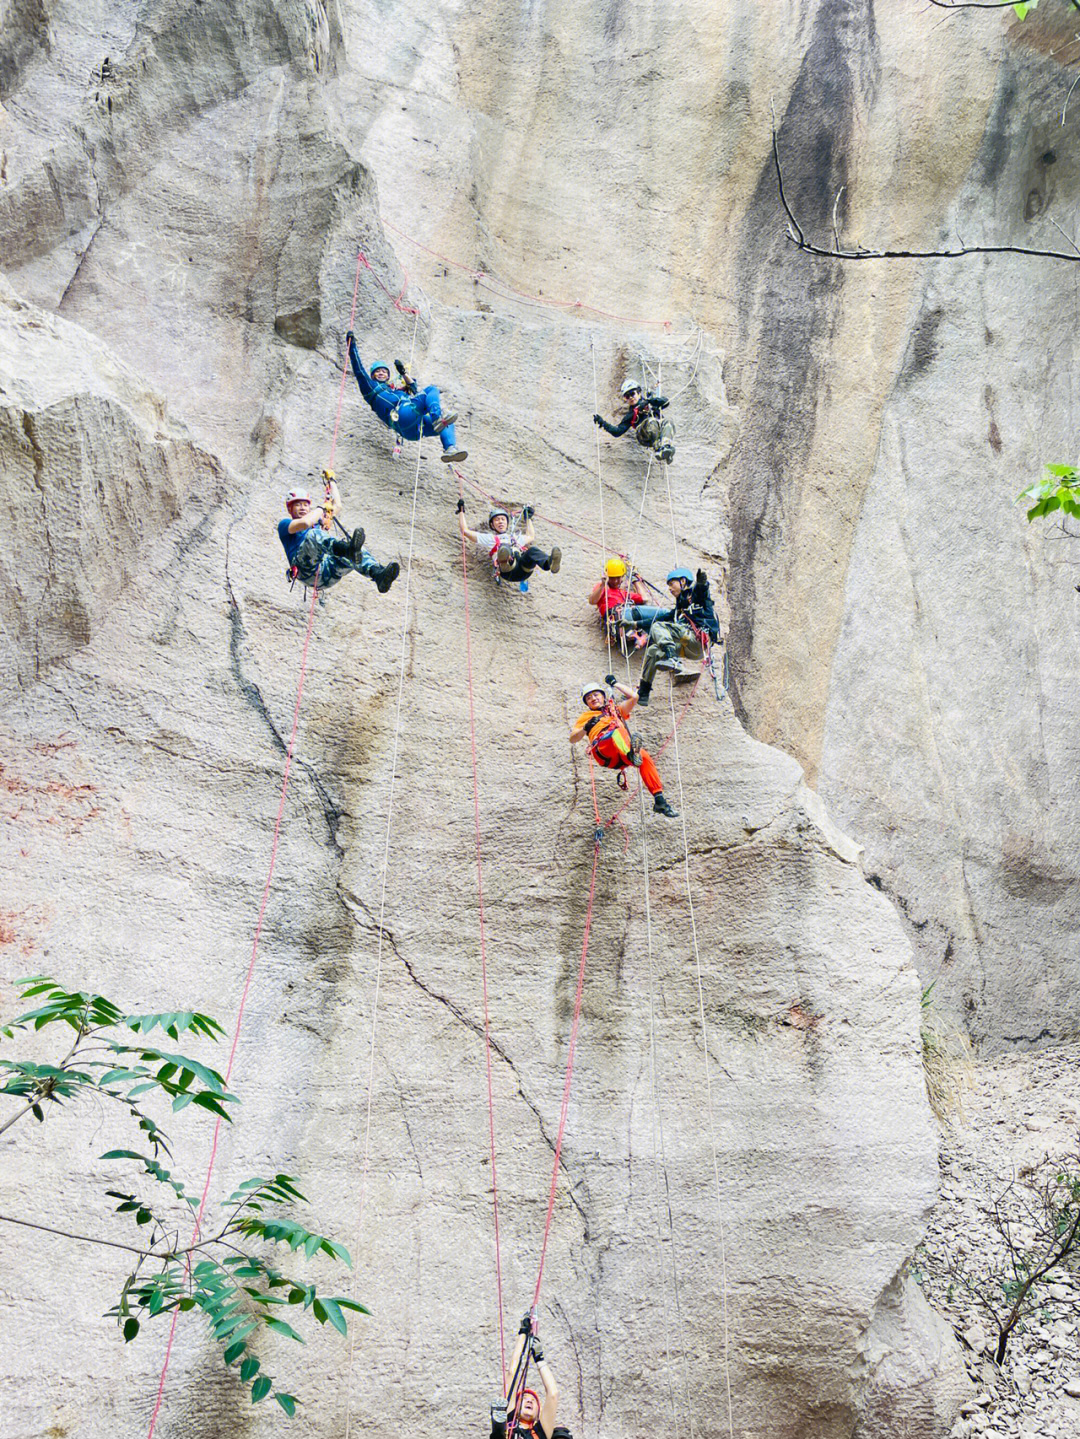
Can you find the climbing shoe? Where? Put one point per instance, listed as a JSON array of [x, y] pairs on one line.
[[556, 560], [454, 457], [442, 422], [661, 806], [670, 659], [385, 575], [644, 689], [666, 453], [635, 749], [356, 545], [505, 558]]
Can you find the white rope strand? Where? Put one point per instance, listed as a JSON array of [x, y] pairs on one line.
[[381, 926], [600, 492]]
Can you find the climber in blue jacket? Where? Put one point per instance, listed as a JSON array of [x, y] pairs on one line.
[[409, 411]]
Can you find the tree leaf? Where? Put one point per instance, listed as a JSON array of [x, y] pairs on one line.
[[287, 1402], [260, 1389], [249, 1368], [281, 1327], [131, 1328], [234, 1351], [334, 1314]]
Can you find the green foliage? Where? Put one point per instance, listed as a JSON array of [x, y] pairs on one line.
[[114, 1067], [238, 1291], [1037, 1221], [223, 1272], [1024, 7], [1058, 490], [946, 1055]]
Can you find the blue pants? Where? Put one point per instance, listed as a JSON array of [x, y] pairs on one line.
[[316, 557], [416, 414], [642, 615]]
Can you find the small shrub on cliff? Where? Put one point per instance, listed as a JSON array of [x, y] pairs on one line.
[[946, 1053], [219, 1271]]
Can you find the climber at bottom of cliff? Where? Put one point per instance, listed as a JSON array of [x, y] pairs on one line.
[[314, 554], [612, 745], [532, 1420]]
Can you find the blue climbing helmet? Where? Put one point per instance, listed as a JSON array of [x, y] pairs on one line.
[[680, 574], [381, 365]]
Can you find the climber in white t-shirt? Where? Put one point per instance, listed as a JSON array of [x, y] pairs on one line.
[[512, 552]]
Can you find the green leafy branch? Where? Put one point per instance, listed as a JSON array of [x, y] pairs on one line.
[[1058, 490], [120, 1070], [223, 1274], [239, 1292]]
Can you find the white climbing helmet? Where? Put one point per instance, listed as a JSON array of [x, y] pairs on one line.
[[294, 496], [628, 384], [592, 689]]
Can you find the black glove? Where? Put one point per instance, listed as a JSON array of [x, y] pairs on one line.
[[528, 512], [701, 588], [537, 1352], [461, 507], [350, 338], [525, 1327], [597, 420], [609, 680]]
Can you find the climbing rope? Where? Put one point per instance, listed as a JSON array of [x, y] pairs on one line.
[[507, 291], [704, 1040], [244, 992], [483, 956], [600, 493], [266, 885], [382, 915], [569, 1066]]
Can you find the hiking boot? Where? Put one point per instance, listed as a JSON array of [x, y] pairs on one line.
[[556, 560], [669, 660], [385, 575], [442, 422], [661, 806], [635, 749], [454, 457], [505, 558], [356, 545], [644, 689], [666, 453], [676, 666]]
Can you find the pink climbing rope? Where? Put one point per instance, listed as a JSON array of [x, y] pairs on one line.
[[266, 886], [481, 277], [247, 985], [569, 1070], [483, 959]]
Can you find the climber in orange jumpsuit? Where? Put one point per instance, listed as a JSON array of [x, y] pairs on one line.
[[604, 726]]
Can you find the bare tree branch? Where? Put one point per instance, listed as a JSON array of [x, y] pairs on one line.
[[798, 238]]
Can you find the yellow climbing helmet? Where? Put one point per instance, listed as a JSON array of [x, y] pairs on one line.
[[615, 568]]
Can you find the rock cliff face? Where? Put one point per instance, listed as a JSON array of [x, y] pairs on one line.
[[185, 186]]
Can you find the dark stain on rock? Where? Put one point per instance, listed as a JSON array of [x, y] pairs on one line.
[[789, 303], [300, 328], [922, 348]]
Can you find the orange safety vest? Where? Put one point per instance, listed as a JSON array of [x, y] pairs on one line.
[[609, 730]]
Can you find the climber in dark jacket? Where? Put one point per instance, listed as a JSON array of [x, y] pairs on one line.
[[644, 418], [680, 631], [410, 411]]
